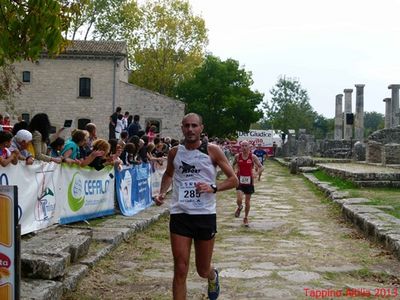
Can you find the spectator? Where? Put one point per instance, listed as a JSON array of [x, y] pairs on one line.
[[113, 123], [18, 126], [56, 146], [135, 127], [39, 126], [152, 133], [128, 155], [6, 120], [99, 162], [125, 121], [71, 152], [92, 129], [21, 142], [123, 138], [119, 127], [6, 156], [130, 119]]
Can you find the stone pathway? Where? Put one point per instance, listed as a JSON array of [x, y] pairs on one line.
[[297, 247]]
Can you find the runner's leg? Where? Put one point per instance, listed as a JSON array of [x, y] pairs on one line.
[[204, 252], [180, 246]]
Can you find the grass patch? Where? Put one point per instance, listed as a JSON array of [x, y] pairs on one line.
[[335, 181], [378, 196]]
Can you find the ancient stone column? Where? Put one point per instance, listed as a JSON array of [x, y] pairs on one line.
[[395, 104], [359, 117], [338, 134], [348, 128], [388, 112]]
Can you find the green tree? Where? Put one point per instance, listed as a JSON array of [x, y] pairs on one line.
[[289, 107], [26, 28], [29, 26], [323, 127], [372, 122], [168, 45], [220, 92]]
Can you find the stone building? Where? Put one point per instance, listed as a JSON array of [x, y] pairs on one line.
[[86, 83]]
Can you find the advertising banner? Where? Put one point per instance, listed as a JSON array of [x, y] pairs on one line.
[[38, 195], [133, 189], [8, 221], [85, 193]]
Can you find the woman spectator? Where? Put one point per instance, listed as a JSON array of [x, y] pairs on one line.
[[6, 156], [71, 151], [99, 162], [151, 133], [39, 126], [56, 146]]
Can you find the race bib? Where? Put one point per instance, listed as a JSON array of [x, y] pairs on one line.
[[188, 194], [245, 180]]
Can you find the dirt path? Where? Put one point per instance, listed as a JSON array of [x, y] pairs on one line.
[[297, 247]]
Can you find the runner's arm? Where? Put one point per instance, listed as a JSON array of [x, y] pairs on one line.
[[259, 166], [220, 159], [166, 180]]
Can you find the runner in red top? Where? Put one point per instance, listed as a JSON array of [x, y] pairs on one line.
[[244, 163]]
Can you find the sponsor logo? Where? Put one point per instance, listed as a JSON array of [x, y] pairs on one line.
[[188, 169], [76, 194]]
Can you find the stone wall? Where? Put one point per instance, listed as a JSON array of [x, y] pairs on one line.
[[383, 146], [336, 148], [54, 89]]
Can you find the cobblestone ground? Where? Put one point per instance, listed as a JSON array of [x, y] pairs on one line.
[[297, 247]]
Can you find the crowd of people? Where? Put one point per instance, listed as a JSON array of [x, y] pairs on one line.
[[130, 145]]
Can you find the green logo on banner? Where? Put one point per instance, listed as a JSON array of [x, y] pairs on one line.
[[76, 196]]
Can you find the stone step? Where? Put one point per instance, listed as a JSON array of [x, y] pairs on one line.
[[377, 183], [47, 254], [56, 259]]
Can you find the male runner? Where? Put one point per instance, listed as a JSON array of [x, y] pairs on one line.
[[191, 170], [261, 155], [244, 163]]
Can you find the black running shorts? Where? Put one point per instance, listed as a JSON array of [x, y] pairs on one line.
[[246, 189], [197, 227]]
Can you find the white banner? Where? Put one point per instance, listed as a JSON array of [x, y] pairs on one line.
[[36, 192], [85, 193]]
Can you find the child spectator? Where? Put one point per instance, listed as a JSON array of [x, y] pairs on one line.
[[6, 156]]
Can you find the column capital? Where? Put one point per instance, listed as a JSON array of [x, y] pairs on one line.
[[387, 99], [346, 91], [359, 86], [394, 86], [339, 96]]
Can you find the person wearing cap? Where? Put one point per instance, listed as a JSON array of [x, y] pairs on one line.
[[21, 142]]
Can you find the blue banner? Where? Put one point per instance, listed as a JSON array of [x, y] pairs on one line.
[[133, 189]]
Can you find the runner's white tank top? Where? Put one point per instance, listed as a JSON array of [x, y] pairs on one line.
[[192, 166]]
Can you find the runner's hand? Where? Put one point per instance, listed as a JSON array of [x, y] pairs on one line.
[[159, 199], [202, 187]]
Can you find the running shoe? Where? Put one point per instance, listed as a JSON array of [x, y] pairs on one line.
[[238, 210], [213, 287], [246, 222]]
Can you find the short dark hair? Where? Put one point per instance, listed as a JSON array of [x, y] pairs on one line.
[[136, 118]]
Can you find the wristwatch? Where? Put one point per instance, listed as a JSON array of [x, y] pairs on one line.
[[214, 187]]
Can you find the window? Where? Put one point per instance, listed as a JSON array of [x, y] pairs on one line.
[[26, 76], [84, 87], [154, 122], [82, 123]]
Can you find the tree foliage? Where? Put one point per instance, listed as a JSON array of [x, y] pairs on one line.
[[168, 46], [289, 106], [220, 92], [372, 122], [29, 26]]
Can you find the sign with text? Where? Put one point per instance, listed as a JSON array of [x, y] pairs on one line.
[[8, 223]]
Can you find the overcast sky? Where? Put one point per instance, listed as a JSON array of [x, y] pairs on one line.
[[328, 45]]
